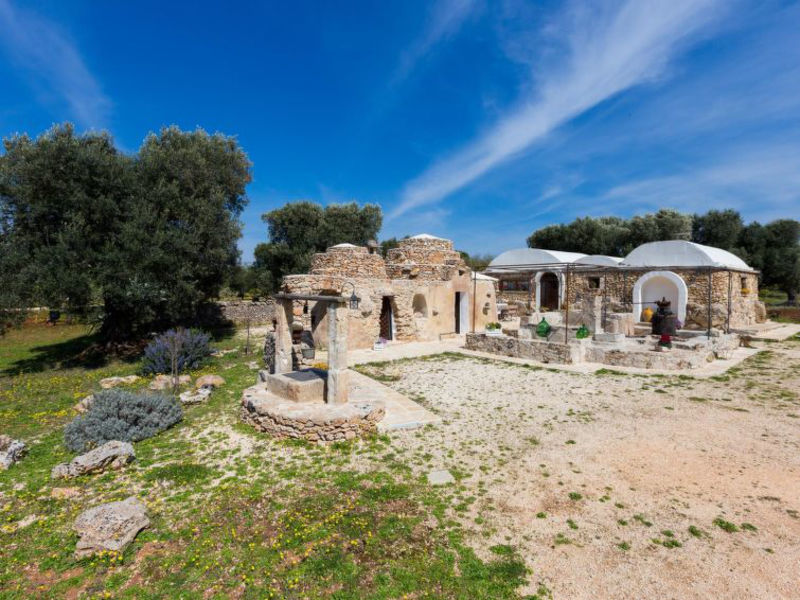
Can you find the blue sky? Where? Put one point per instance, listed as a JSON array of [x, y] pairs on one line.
[[474, 120]]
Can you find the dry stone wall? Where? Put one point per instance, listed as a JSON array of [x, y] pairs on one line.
[[311, 422], [258, 313], [424, 259], [349, 261]]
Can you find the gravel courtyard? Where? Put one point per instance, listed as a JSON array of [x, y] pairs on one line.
[[620, 486]]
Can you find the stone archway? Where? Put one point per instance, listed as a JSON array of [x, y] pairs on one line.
[[654, 285], [549, 290]]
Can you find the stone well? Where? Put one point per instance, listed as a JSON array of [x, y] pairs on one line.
[[310, 404], [312, 420]]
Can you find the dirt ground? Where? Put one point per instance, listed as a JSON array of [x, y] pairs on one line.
[[622, 486]]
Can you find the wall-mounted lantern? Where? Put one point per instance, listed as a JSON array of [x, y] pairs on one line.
[[354, 300]]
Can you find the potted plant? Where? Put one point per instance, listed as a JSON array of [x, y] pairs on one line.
[[494, 329]]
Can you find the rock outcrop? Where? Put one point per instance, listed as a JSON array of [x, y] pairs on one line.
[[111, 455], [195, 396], [85, 404], [111, 526], [11, 451], [111, 382], [209, 381], [165, 382]]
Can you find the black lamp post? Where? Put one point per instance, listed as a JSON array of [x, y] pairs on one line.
[[354, 300]]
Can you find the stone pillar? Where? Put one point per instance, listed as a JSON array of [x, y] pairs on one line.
[[338, 375], [283, 337], [597, 314]]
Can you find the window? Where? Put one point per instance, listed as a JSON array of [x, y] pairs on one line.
[[743, 280], [594, 283], [520, 285]]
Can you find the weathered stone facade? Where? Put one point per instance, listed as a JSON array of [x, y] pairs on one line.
[[411, 295], [616, 287]]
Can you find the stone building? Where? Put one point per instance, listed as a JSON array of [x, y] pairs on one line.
[[422, 290], [697, 279]]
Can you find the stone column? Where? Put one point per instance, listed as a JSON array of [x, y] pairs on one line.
[[338, 375], [597, 314], [283, 337]]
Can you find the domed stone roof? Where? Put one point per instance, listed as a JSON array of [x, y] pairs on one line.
[[680, 253]]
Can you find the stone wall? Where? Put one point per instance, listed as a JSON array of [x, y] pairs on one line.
[[617, 289], [431, 259], [534, 349], [240, 311], [311, 422], [686, 354], [349, 261]]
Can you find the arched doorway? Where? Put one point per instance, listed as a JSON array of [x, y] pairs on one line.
[[655, 285], [548, 292], [387, 319]]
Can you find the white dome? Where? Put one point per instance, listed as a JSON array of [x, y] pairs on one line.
[[527, 259], [600, 260], [344, 246], [425, 236], [680, 253]]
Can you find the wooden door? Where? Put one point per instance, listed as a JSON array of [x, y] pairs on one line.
[[548, 288]]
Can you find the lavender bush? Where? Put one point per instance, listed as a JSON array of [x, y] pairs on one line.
[[121, 415], [189, 347]]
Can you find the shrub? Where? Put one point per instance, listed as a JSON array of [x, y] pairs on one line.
[[121, 415], [190, 347]]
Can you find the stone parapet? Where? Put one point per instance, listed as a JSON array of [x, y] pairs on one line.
[[534, 349], [312, 422]]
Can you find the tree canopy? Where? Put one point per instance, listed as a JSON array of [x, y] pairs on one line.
[[773, 248], [148, 237], [299, 229]]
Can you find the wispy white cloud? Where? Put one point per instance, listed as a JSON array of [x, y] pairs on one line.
[[604, 50], [445, 20], [762, 183], [52, 64]]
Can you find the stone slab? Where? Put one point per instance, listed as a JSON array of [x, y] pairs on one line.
[[111, 526], [441, 477], [401, 412], [114, 455], [298, 386], [614, 338]]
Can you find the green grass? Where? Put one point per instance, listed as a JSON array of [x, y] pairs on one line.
[[726, 526], [233, 512]]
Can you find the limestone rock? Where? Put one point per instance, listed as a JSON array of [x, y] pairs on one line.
[[112, 455], [442, 477], [11, 451], [111, 382], [165, 382], [211, 381], [84, 404], [111, 526], [195, 396]]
